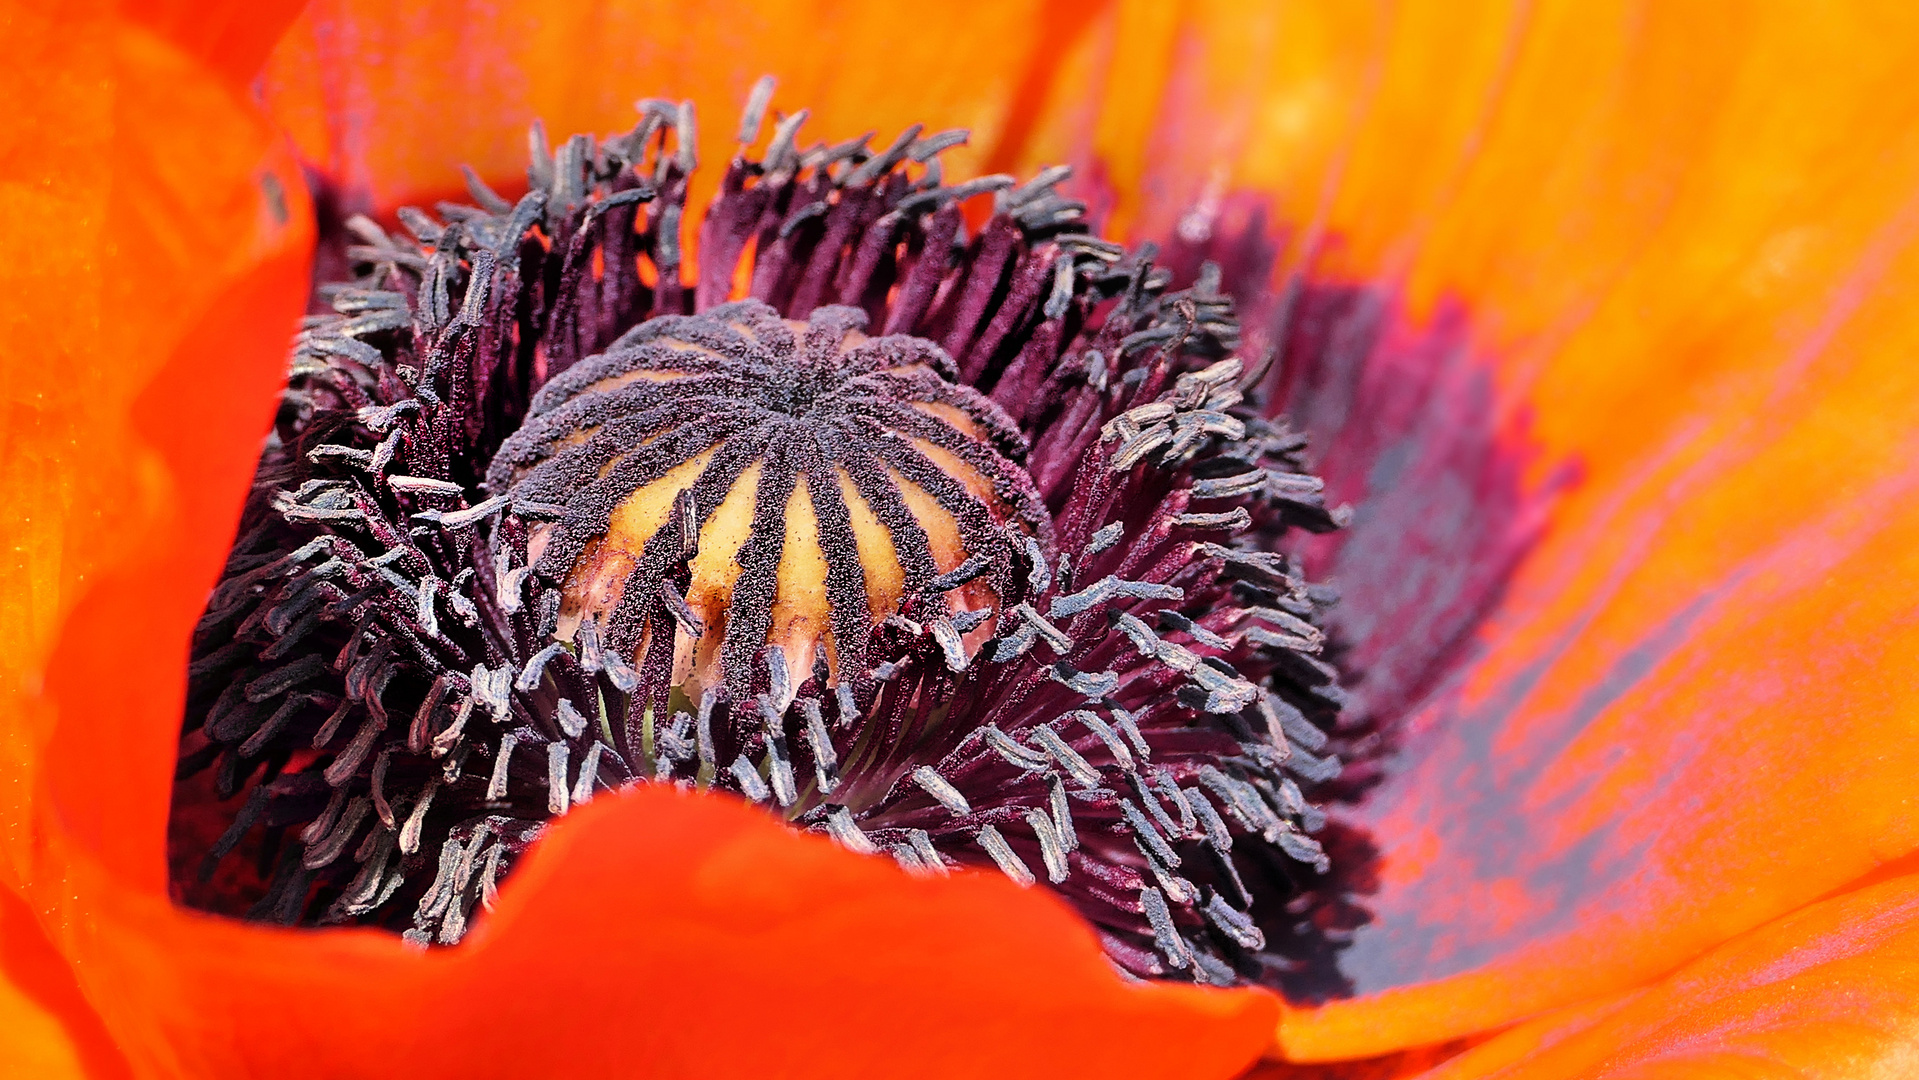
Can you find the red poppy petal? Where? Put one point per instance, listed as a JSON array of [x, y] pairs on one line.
[[227, 38], [1831, 991], [1682, 236], [676, 934], [1685, 272], [138, 195], [49, 1029], [1692, 716], [150, 404], [35, 1044], [138, 192], [390, 99], [39, 1004]]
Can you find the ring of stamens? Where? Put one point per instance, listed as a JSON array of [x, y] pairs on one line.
[[1083, 660]]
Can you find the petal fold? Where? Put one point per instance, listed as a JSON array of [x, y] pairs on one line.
[[49, 1029], [1831, 991], [230, 38], [674, 934], [136, 194]]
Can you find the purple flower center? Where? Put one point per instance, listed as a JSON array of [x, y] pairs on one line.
[[998, 586]]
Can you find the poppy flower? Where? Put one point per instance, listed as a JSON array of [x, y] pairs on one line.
[[1597, 326]]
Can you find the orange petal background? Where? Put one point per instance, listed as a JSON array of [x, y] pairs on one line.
[[1686, 234], [1683, 231]]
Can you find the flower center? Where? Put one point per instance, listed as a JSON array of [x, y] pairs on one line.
[[731, 493], [993, 583]]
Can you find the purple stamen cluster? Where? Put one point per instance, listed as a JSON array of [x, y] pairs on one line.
[[381, 717]]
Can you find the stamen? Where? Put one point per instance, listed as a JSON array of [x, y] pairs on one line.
[[502, 759], [1074, 764], [1100, 728], [589, 775], [416, 820], [749, 781], [1015, 753], [929, 855], [825, 762], [572, 724], [840, 825], [779, 766], [1062, 815], [995, 497], [942, 792], [1003, 855], [557, 792], [1052, 851]]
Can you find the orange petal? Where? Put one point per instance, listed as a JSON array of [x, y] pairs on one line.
[[147, 403], [458, 82], [1686, 274], [138, 193], [1830, 991], [1414, 1064], [1693, 713], [658, 931], [35, 1044], [50, 1031], [228, 39], [1683, 236]]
